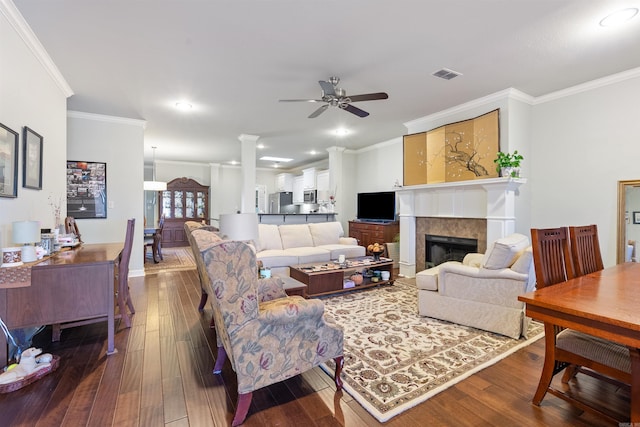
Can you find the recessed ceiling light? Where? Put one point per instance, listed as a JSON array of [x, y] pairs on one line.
[[313, 152], [233, 162], [619, 17], [341, 132], [183, 106], [260, 146], [275, 159]]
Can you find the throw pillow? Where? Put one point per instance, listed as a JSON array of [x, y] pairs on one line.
[[503, 252]]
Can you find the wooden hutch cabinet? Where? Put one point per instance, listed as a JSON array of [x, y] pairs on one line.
[[184, 200]]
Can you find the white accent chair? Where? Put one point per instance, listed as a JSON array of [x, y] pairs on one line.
[[482, 290]]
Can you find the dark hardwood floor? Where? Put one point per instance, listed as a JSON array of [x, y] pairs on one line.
[[161, 375]]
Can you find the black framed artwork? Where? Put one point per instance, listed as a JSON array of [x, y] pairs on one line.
[[636, 217], [86, 189], [31, 159], [8, 162]]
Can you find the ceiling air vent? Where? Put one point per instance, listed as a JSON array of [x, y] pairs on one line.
[[446, 74]]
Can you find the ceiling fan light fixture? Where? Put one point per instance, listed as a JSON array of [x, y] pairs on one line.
[[619, 17]]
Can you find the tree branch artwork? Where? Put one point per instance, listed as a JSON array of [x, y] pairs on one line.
[[464, 153]]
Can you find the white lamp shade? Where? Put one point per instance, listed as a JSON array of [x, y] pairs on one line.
[[26, 232], [155, 185], [242, 226]]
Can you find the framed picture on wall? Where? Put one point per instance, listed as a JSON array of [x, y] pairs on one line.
[[8, 162], [86, 189], [636, 217], [31, 159]]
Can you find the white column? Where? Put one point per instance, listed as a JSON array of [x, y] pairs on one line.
[[501, 208], [248, 154], [215, 194], [407, 233], [335, 174]]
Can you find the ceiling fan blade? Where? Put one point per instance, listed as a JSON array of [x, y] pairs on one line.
[[368, 97], [300, 100], [327, 88], [319, 111], [355, 110]]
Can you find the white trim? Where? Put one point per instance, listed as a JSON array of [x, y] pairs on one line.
[[389, 142], [22, 28], [103, 118], [593, 84]]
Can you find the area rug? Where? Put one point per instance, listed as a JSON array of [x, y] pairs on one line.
[[395, 359], [174, 259]]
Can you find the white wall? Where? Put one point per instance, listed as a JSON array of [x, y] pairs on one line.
[[33, 94], [583, 143], [119, 143]]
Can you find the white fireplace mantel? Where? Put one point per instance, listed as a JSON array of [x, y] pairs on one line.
[[492, 199]]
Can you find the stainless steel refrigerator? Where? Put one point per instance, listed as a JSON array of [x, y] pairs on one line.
[[281, 202]]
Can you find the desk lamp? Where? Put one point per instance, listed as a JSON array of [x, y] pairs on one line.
[[27, 233], [242, 226]]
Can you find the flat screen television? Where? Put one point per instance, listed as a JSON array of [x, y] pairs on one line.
[[380, 207]]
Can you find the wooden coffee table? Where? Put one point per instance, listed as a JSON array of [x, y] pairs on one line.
[[329, 277]]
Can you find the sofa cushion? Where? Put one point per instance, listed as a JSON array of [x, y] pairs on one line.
[[276, 258], [349, 251], [295, 236], [326, 233], [269, 237], [503, 252], [309, 254], [524, 262]]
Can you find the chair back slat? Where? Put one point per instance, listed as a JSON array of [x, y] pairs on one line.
[[585, 249], [125, 254], [551, 256]]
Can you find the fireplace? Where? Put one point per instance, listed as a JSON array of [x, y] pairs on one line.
[[439, 249]]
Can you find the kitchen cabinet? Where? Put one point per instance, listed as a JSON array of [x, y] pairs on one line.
[[298, 190], [309, 178], [284, 182], [322, 184]]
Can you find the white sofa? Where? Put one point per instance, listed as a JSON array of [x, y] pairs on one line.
[[280, 246], [481, 291]]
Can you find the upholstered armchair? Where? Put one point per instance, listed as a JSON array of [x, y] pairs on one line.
[[482, 290], [189, 228], [266, 338]]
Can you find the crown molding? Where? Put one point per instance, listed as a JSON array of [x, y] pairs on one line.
[[22, 28], [382, 144], [103, 118], [593, 84], [505, 94]]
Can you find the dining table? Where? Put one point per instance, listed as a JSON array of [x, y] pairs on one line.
[[604, 304]]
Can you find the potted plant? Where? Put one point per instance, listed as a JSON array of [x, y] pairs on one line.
[[508, 164]]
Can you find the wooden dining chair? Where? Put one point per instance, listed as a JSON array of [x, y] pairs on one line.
[[155, 242], [585, 249], [566, 349], [71, 227]]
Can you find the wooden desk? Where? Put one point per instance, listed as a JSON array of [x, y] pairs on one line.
[[69, 286], [605, 304]]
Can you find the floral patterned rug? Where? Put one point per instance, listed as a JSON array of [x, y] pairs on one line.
[[395, 359]]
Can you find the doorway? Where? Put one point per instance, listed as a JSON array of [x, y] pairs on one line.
[[628, 222]]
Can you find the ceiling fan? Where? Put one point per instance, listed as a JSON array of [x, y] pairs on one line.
[[337, 97]]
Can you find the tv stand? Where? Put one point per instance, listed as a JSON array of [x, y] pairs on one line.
[[373, 232]]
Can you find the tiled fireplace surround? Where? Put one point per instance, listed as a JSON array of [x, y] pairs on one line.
[[481, 209]]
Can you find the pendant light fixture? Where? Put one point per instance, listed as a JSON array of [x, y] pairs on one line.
[[154, 185]]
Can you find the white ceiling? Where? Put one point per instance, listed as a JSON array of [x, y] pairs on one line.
[[233, 60]]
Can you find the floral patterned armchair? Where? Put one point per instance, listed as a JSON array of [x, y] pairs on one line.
[[266, 338]]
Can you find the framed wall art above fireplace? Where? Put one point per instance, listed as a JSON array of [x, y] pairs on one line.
[[86, 189]]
